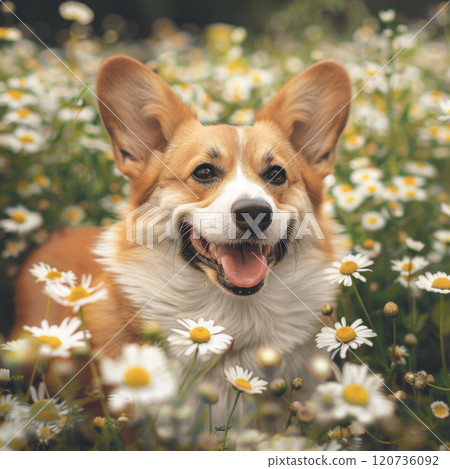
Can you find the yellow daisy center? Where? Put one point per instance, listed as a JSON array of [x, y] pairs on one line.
[[345, 334], [353, 139], [137, 377], [77, 293], [407, 267], [346, 188], [23, 112], [51, 341], [411, 193], [439, 411], [53, 275], [242, 383], [15, 94], [200, 335], [372, 220], [44, 410], [368, 243], [4, 408], [420, 164], [19, 217], [442, 283], [409, 180], [356, 394], [26, 139], [348, 267]]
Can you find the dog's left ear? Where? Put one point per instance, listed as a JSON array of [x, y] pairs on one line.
[[312, 109]]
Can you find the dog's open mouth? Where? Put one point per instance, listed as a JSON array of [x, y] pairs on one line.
[[240, 266]]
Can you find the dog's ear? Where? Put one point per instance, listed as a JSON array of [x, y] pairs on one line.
[[139, 111], [312, 109]]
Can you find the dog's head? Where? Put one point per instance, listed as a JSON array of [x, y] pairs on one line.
[[236, 194]]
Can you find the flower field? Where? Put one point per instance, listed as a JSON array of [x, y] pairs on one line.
[[382, 369]]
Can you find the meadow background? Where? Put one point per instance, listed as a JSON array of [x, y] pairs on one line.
[[391, 180]]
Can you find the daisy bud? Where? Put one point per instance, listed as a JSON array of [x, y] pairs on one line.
[[278, 387], [390, 309], [153, 332], [420, 383], [305, 413], [297, 384], [422, 374], [411, 339], [295, 407], [410, 377], [268, 356], [398, 396], [99, 422], [429, 379], [327, 310], [123, 418], [209, 393]]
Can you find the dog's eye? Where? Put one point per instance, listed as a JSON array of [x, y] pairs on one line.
[[204, 173], [275, 175]]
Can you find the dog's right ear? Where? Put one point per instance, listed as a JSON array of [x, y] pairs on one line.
[[139, 111]]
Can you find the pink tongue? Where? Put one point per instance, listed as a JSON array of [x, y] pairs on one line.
[[244, 267]]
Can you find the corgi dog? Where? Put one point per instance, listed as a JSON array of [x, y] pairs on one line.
[[234, 197]]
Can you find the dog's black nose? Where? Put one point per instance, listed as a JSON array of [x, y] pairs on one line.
[[252, 214]]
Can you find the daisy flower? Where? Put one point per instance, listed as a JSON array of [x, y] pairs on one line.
[[202, 336], [17, 99], [373, 221], [20, 220], [365, 175], [420, 168], [243, 380], [357, 394], [17, 352], [76, 11], [343, 337], [58, 340], [414, 245], [45, 273], [400, 353], [141, 376], [76, 296], [44, 411], [354, 142], [350, 266], [350, 200], [12, 409], [438, 283], [408, 265], [405, 182], [440, 409], [445, 109], [369, 247]]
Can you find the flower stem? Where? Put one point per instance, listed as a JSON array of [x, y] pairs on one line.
[[33, 374], [188, 372], [363, 307], [438, 387], [210, 418], [238, 393], [95, 377], [394, 340], [441, 334]]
